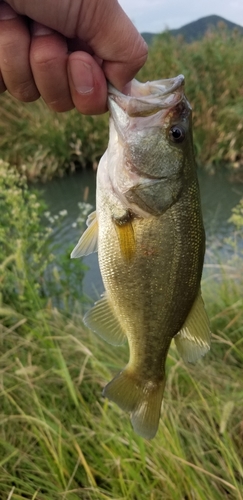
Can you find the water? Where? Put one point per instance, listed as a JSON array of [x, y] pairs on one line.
[[218, 197]]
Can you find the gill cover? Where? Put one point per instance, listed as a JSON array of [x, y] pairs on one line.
[[145, 159]]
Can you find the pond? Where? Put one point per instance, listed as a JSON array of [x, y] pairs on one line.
[[218, 197]]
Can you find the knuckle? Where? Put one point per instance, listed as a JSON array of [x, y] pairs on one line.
[[60, 106], [8, 52], [90, 108], [47, 52], [139, 54], [58, 100], [24, 91], [44, 59]]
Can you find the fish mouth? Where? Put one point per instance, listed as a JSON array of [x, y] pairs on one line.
[[145, 99]]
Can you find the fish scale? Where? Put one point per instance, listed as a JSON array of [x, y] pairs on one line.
[[149, 234]]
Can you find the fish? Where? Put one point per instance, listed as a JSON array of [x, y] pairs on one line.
[[149, 234]]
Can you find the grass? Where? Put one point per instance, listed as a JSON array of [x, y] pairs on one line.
[[48, 144], [214, 76], [59, 439]]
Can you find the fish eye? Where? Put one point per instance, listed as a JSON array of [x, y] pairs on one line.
[[177, 134]]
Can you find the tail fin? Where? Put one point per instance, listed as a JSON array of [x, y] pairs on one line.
[[142, 399]]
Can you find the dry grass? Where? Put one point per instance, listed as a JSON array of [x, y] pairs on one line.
[[60, 440]]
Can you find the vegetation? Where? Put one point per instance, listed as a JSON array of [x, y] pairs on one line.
[[44, 144], [214, 87], [28, 269], [59, 439]]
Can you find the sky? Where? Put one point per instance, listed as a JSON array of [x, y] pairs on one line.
[[156, 15]]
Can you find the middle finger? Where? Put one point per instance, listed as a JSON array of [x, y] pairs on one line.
[[48, 58]]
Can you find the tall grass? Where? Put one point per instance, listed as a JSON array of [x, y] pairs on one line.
[[59, 439], [214, 86], [45, 144]]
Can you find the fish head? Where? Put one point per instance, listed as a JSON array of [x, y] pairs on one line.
[[150, 148]]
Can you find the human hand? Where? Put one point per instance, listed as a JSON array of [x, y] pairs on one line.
[[65, 50]]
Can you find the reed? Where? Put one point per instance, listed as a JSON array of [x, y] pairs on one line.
[[43, 144], [214, 86]]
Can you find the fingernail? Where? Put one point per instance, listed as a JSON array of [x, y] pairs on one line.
[[6, 12], [39, 29], [82, 76]]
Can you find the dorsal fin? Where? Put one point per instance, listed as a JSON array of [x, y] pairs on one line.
[[193, 340]]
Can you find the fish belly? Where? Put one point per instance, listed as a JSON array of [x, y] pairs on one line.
[[153, 291]]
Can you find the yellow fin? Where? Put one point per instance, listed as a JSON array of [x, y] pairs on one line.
[[88, 242], [102, 320], [142, 399], [126, 238], [193, 340]]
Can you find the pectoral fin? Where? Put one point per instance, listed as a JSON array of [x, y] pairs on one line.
[[88, 242], [102, 320], [193, 340], [91, 217], [126, 238]]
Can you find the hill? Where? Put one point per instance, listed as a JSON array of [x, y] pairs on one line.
[[196, 29]]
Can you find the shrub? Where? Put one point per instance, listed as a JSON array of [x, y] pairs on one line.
[[29, 272]]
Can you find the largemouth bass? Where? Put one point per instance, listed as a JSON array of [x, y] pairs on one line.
[[149, 234]]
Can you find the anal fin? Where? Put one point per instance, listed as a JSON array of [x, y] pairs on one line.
[[193, 340], [102, 320], [88, 242]]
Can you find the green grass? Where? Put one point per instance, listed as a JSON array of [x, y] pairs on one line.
[[43, 144], [59, 439], [214, 75]]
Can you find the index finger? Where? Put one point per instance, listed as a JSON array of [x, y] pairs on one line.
[[102, 24]]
